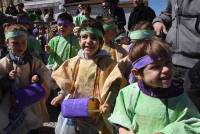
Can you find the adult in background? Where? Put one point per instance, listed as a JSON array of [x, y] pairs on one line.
[[117, 13], [139, 13], [79, 10], [183, 35], [20, 8], [11, 10]]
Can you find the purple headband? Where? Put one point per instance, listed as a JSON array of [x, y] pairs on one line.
[[64, 22], [142, 62]]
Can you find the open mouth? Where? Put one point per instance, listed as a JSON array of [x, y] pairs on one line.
[[166, 78]]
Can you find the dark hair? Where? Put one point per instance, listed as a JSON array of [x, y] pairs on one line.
[[87, 8], [142, 25], [154, 47], [20, 5], [112, 1], [65, 16], [92, 23]]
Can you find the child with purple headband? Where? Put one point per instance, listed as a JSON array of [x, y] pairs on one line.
[[63, 46], [154, 104]]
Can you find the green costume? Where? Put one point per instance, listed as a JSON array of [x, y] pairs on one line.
[[34, 46], [144, 114], [79, 19], [62, 48]]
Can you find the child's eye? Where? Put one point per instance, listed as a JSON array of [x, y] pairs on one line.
[[84, 36], [155, 66], [93, 37]]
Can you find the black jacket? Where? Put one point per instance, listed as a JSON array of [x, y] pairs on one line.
[[140, 13]]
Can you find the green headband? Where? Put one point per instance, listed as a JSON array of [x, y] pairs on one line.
[[15, 33], [109, 26], [91, 30], [141, 34], [120, 36]]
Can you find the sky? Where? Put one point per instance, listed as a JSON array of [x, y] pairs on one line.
[[157, 5]]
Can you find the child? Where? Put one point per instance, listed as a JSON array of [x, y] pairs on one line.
[[78, 20], [121, 74], [64, 46], [85, 74], [154, 104], [33, 44], [116, 51], [21, 69], [123, 40]]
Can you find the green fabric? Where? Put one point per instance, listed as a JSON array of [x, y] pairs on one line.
[[34, 46], [62, 49], [141, 34], [147, 115], [92, 30], [13, 34], [79, 19], [109, 26]]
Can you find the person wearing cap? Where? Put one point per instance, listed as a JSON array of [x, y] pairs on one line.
[[110, 28], [21, 70], [63, 46]]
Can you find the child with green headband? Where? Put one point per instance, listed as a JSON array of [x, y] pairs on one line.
[[84, 76], [78, 20], [154, 104], [116, 51], [122, 39], [121, 74], [63, 46], [20, 69]]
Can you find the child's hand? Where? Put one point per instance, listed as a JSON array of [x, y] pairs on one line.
[[35, 78], [105, 108], [13, 74], [57, 100], [47, 49]]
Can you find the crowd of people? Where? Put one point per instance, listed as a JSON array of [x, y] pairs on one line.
[[109, 80]]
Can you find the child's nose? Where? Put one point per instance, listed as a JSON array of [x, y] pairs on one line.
[[88, 39], [165, 69]]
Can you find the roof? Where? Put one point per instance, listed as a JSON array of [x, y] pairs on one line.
[[41, 4]]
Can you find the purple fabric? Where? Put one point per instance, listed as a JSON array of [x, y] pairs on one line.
[[132, 78], [75, 107], [29, 95], [142, 62], [64, 22], [23, 19], [138, 64], [172, 91]]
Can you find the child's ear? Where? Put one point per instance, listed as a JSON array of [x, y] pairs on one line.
[[136, 73]]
